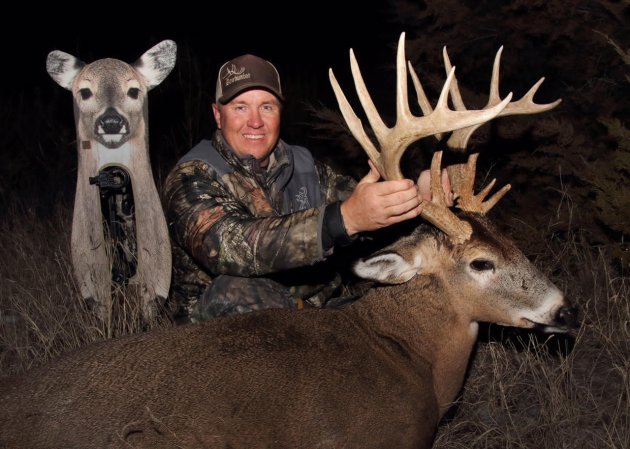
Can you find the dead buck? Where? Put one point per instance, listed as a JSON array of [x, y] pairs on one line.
[[378, 373], [111, 115]]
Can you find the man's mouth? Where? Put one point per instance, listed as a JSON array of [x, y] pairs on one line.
[[254, 136]]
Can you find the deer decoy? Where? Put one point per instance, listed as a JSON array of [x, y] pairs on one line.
[[119, 233]]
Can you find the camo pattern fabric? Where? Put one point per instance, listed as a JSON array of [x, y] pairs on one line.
[[234, 227]]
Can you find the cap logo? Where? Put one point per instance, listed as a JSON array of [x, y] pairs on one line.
[[232, 74]]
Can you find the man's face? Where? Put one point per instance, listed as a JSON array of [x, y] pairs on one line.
[[250, 123]]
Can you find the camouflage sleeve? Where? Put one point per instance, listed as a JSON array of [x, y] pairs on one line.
[[335, 187], [222, 235]]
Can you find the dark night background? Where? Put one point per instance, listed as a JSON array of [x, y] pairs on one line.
[[301, 40]]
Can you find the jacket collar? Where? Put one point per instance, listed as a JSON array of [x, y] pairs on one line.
[[280, 171]]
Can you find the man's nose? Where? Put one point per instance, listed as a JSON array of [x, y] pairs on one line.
[[255, 119]]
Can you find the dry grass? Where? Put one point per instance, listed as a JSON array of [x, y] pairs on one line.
[[525, 391], [41, 311]]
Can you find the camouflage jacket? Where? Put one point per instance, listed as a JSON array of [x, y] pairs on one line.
[[226, 215]]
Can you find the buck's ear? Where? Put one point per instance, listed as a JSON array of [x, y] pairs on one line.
[[388, 268], [63, 68], [157, 62]]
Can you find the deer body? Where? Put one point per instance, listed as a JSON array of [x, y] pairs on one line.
[[250, 382], [377, 374], [111, 114]]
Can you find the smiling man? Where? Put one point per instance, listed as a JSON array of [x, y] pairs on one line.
[[254, 220]]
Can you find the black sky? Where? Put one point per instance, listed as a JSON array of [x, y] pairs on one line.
[[300, 36]]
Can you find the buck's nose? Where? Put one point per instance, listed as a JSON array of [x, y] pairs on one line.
[[567, 316], [111, 122]]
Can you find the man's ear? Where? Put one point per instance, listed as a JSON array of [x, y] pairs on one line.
[[216, 110]]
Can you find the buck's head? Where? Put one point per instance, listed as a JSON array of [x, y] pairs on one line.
[[109, 94], [486, 275]]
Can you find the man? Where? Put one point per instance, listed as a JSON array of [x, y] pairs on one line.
[[253, 219]]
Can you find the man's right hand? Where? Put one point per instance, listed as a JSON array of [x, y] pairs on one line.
[[374, 205]]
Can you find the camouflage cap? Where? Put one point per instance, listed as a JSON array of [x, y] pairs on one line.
[[244, 73]]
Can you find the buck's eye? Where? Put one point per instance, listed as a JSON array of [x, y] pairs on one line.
[[134, 92], [481, 265], [85, 93]]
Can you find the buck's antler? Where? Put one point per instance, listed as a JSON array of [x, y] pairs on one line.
[[526, 105], [409, 128]]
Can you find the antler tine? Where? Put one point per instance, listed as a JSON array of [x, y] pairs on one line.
[[423, 101], [462, 178], [525, 105], [354, 122]]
